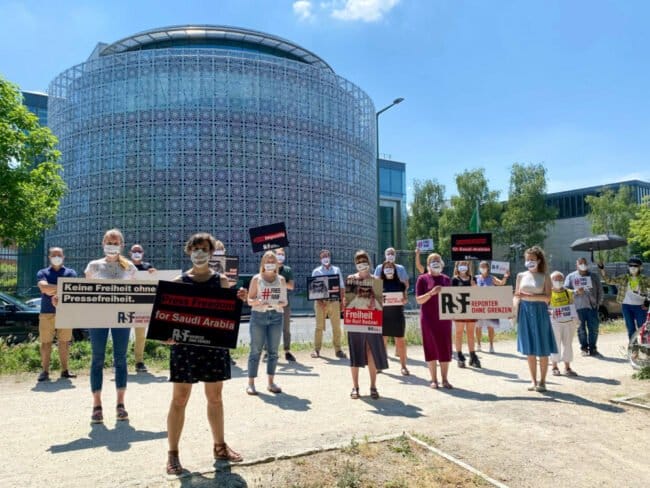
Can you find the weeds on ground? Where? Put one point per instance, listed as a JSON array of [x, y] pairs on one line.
[[402, 446], [642, 374], [350, 476]]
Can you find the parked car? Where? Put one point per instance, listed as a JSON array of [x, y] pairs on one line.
[[610, 308], [17, 320], [34, 303]]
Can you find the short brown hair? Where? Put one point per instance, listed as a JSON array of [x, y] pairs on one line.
[[361, 254], [200, 238]]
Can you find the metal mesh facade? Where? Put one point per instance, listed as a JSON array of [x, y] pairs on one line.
[[162, 143]]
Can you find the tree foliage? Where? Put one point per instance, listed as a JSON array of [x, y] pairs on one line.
[[424, 212], [526, 216], [639, 235], [472, 187], [31, 186]]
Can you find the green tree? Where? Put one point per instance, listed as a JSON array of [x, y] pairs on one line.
[[31, 186], [526, 216], [473, 190], [611, 213], [424, 211], [639, 235]]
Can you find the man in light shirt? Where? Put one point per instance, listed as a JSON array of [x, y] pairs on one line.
[[328, 308]]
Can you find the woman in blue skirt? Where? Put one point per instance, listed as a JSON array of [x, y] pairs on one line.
[[534, 332]]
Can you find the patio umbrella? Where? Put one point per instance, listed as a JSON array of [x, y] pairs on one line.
[[602, 242]]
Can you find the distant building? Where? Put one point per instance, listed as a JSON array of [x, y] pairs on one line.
[[392, 204]]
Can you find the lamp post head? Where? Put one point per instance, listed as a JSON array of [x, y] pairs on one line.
[[398, 100]]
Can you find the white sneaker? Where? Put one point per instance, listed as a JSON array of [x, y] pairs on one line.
[[491, 349]]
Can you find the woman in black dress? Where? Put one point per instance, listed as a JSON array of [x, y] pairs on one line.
[[394, 323], [463, 277], [190, 364]]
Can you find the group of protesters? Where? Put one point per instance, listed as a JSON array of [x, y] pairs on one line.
[[539, 297]]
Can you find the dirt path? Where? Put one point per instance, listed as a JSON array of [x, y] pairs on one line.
[[571, 436]]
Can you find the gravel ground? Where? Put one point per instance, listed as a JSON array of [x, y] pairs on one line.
[[571, 436]]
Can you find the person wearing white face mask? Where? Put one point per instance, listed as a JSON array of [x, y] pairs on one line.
[[463, 277], [137, 255], [633, 290], [402, 275], [116, 267], [394, 322], [486, 279], [267, 297], [328, 308], [46, 280], [535, 337], [563, 323], [588, 297]]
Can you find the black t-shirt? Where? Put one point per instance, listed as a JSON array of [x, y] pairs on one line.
[[143, 266], [393, 285], [457, 281]]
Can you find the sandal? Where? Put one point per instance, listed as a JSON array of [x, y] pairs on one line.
[[405, 371], [121, 412], [273, 388], [541, 388], [354, 394], [556, 372], [250, 390], [570, 372], [97, 417], [315, 354], [174, 463], [532, 387], [374, 394], [446, 384], [225, 453], [434, 384]]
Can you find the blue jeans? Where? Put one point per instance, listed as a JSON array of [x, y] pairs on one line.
[[588, 328], [265, 328], [634, 317], [98, 339]]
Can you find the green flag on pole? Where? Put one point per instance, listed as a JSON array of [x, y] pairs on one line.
[[475, 221]]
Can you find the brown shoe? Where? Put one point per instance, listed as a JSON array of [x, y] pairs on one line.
[[223, 452], [174, 463]]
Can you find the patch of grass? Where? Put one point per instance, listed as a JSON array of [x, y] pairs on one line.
[[350, 476], [642, 374], [425, 438], [353, 448], [402, 446]]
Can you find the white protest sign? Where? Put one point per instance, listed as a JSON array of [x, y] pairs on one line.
[[270, 294], [579, 282], [393, 298], [475, 302], [92, 303], [158, 275], [425, 244], [564, 313], [500, 267]]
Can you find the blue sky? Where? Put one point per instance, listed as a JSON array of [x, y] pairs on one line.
[[487, 83]]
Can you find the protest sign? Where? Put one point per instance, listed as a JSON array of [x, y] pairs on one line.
[[93, 303], [225, 265], [196, 315], [581, 282], [393, 298], [158, 275], [476, 302], [363, 309], [424, 244], [466, 247], [564, 313], [500, 267], [268, 237], [270, 294], [324, 287]]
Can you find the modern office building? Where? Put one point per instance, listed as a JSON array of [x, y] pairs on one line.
[[392, 204], [211, 128], [571, 222]]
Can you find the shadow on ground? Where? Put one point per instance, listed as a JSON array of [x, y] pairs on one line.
[[53, 386]]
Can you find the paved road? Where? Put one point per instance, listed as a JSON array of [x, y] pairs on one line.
[[572, 436]]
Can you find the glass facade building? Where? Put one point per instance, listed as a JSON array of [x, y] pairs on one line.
[[392, 204], [219, 129]]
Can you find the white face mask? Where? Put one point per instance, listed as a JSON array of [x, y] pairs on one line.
[[280, 258], [325, 261], [435, 267], [462, 268], [634, 270], [531, 265], [199, 257], [136, 255], [558, 285], [583, 267], [484, 271], [389, 272], [111, 249], [56, 260], [219, 252], [362, 267], [270, 266], [390, 258]]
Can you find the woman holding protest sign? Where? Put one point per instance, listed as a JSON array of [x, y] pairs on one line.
[[394, 323], [436, 333], [463, 277], [112, 266], [189, 364], [267, 296], [486, 279], [366, 348], [534, 333]]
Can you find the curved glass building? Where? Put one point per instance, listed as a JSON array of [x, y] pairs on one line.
[[209, 128]]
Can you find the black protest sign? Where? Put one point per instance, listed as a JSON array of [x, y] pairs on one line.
[[196, 315], [269, 237], [466, 247], [326, 287], [225, 265]]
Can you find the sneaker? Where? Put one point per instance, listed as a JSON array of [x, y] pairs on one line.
[[44, 376], [315, 354], [289, 357], [595, 354], [67, 374], [340, 354], [141, 368], [491, 348], [460, 357], [474, 361], [584, 352]]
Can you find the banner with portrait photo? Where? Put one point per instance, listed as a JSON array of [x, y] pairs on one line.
[[475, 302], [225, 265], [326, 287], [363, 305], [95, 303]]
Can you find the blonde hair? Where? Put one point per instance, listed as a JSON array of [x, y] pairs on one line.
[[218, 246], [433, 256], [265, 256], [556, 273], [469, 268], [121, 260]]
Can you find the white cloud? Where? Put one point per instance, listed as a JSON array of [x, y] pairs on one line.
[[303, 9], [364, 10]]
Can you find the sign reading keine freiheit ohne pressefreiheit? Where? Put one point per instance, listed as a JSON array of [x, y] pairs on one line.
[[475, 302], [96, 303]]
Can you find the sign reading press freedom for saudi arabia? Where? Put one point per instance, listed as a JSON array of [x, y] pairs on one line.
[[475, 302]]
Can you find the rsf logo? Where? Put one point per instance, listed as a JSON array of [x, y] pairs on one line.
[[180, 335], [125, 317]]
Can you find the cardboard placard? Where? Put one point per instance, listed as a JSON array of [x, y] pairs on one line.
[[96, 303], [424, 244], [271, 295], [393, 299], [465, 247], [268, 237], [196, 315], [363, 308], [499, 267], [158, 275], [564, 313], [327, 287], [581, 282], [225, 265], [475, 302]]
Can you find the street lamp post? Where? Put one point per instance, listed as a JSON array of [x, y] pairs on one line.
[[395, 102]]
